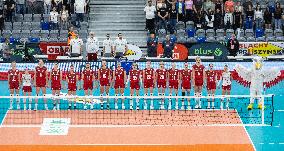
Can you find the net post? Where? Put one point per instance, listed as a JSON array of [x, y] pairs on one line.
[[262, 110]]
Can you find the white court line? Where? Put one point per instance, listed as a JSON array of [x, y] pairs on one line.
[[280, 110], [246, 131], [137, 126], [1, 125], [281, 143], [271, 143]]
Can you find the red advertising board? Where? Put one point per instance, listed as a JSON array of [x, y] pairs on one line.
[[54, 49]]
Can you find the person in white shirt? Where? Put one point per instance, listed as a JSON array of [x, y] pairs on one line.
[[47, 6], [107, 46], [120, 46], [228, 19], [258, 17], [27, 87], [53, 18], [226, 86], [92, 47], [150, 16], [209, 19], [80, 9], [76, 46]]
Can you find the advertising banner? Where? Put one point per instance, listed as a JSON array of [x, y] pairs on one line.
[[54, 49], [262, 49], [180, 51], [133, 52]]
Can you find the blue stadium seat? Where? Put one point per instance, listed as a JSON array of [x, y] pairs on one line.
[[190, 32]]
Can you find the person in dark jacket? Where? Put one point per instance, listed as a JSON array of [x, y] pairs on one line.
[[233, 46], [168, 47], [152, 44]]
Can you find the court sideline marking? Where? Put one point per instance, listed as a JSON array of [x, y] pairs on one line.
[[1, 125], [246, 131]]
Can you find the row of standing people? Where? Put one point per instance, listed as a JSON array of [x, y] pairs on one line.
[[105, 78]]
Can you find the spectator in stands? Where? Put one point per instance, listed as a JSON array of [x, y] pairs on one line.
[[71, 34], [189, 10], [152, 44], [208, 4], [218, 19], [1, 20], [246, 5], [198, 4], [180, 10], [150, 16], [64, 17], [20, 6], [219, 5], [120, 46], [258, 17], [228, 19], [57, 4], [170, 3], [47, 6], [199, 20], [229, 5], [92, 47], [238, 18], [53, 19], [172, 18], [233, 45], [107, 46], [9, 9], [168, 47], [249, 18], [163, 16], [209, 19], [278, 16], [267, 18], [31, 6], [76, 45], [80, 9]]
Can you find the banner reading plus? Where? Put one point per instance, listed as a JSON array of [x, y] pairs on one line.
[[218, 50]]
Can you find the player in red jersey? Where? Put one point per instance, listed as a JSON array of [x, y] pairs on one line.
[[87, 79], [71, 79], [135, 80], [55, 84], [211, 80], [14, 83], [198, 74], [41, 78], [104, 76], [119, 79], [185, 76], [173, 77], [149, 80], [161, 77]]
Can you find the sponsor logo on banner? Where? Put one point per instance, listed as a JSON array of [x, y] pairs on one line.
[[180, 51], [133, 52], [262, 49], [57, 49], [219, 51], [55, 126]]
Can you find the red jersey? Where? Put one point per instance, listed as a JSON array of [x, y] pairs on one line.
[[119, 74], [88, 76], [185, 75], [104, 74], [173, 74], [161, 75], [134, 76], [72, 80], [14, 76], [149, 75], [55, 80], [198, 74], [40, 76], [211, 76]]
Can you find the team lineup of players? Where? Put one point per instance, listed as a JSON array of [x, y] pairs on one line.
[[148, 78]]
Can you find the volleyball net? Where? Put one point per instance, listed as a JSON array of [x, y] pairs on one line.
[[104, 111]]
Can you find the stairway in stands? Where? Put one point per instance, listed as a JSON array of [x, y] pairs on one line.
[[119, 16]]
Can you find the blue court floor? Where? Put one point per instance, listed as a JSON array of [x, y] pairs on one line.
[[263, 138]]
